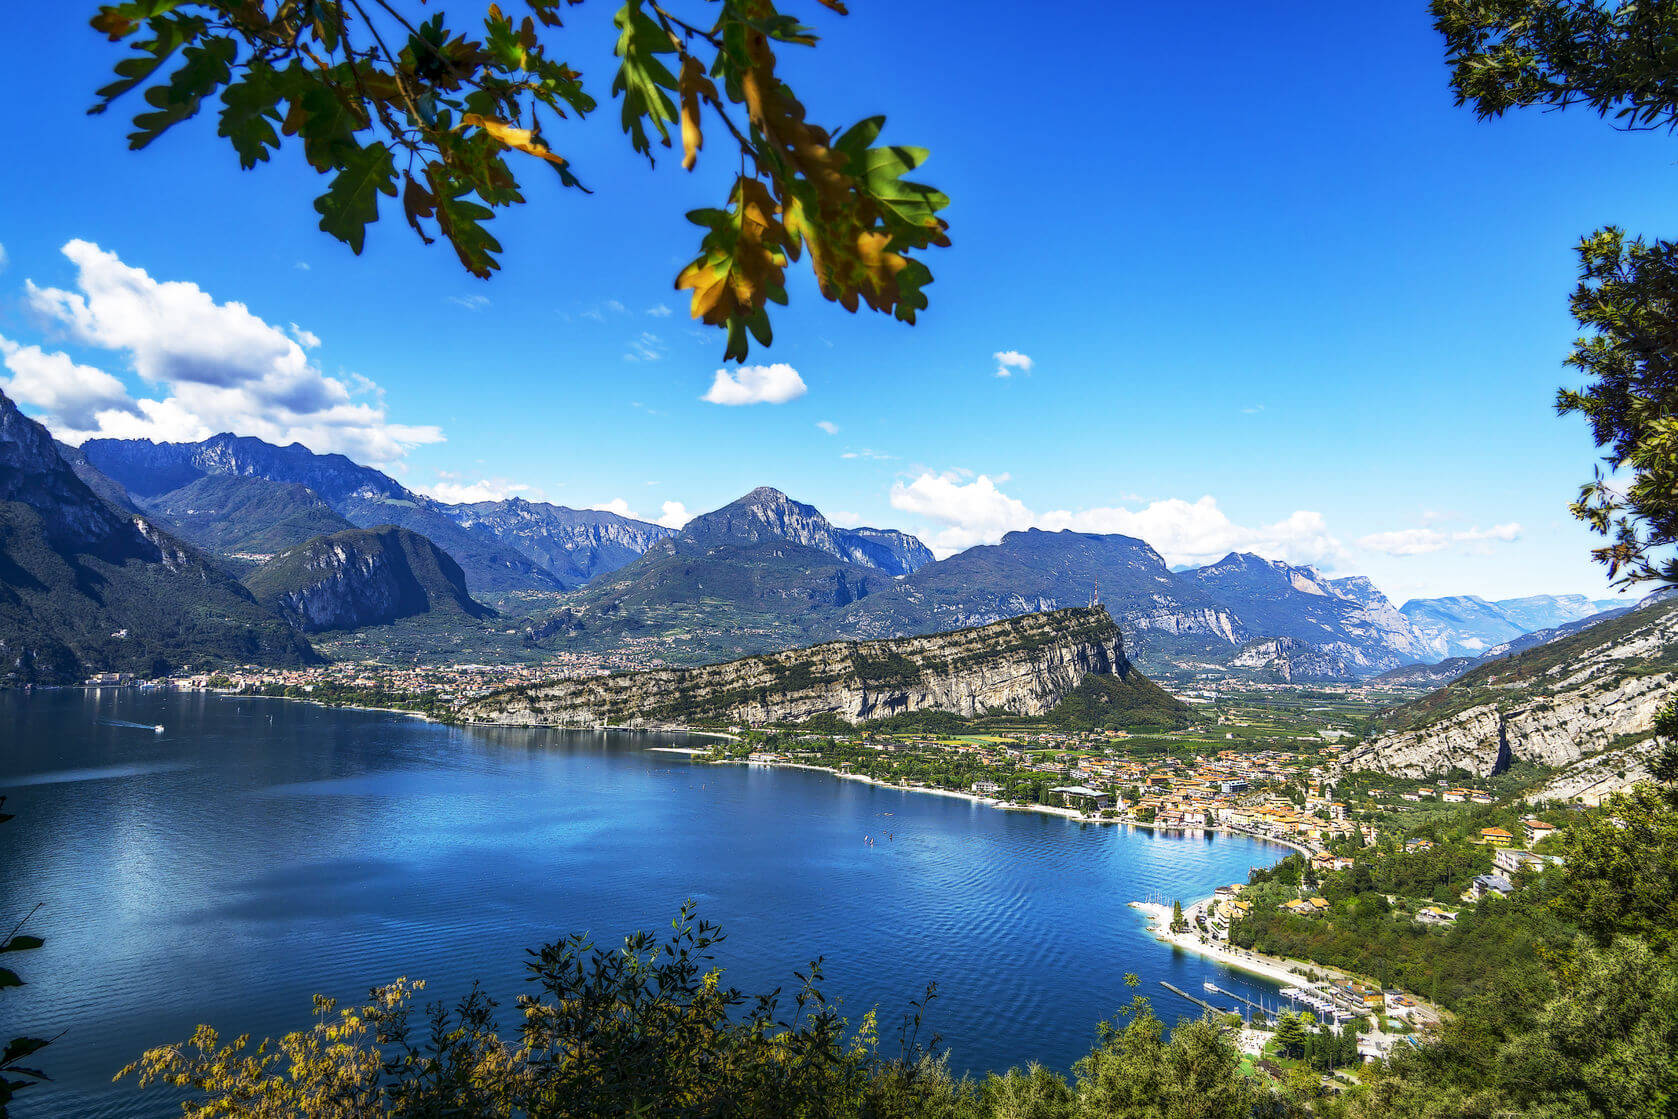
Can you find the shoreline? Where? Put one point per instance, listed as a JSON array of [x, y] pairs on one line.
[[1289, 973], [1008, 806], [1266, 967]]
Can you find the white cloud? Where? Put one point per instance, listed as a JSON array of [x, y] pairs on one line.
[[617, 505], [1009, 360], [1198, 532], [828, 426], [2, 258], [977, 511], [615, 307], [70, 395], [844, 518], [659, 311], [674, 515], [301, 266], [467, 493], [757, 384], [974, 512], [470, 302], [868, 453], [222, 367], [1421, 541]]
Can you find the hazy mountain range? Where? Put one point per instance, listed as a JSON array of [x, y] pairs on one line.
[[313, 539]]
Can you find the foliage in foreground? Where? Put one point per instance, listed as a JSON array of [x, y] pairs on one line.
[[649, 1030], [15, 1074], [1614, 59], [436, 115]]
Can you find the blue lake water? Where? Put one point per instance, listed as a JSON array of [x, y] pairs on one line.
[[258, 852]]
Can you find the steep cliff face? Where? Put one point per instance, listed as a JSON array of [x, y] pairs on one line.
[[887, 549], [1294, 661], [87, 585], [362, 577], [1554, 705], [1023, 665]]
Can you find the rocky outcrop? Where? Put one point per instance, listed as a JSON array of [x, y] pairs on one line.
[[1023, 665], [887, 549], [1553, 706], [1294, 661], [362, 577]]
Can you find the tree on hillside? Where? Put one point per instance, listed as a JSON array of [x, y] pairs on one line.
[[439, 116], [1615, 59], [1291, 1035], [1620, 867]]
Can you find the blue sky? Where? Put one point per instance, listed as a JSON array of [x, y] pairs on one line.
[[1276, 291]]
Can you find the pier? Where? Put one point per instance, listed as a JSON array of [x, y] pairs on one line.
[[1202, 1003]]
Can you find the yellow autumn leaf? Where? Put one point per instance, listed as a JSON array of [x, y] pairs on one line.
[[523, 139]]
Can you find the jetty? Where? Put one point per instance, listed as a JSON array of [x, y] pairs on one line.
[[1202, 1003]]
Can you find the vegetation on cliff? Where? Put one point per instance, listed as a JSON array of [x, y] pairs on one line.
[[1038, 657]]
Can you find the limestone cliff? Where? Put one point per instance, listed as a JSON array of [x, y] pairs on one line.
[[1023, 665], [362, 577], [1554, 706]]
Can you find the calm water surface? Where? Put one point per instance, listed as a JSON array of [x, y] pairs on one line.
[[259, 851]]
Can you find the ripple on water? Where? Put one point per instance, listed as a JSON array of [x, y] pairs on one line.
[[229, 871]]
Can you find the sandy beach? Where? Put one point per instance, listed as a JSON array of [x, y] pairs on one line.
[[1267, 967]]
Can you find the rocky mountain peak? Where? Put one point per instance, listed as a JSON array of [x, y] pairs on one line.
[[767, 514]]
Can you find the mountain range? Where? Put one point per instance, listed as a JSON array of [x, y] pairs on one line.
[[89, 586], [315, 539]]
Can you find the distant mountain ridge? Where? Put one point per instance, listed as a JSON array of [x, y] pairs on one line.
[[575, 544], [1337, 628], [1468, 625], [766, 571], [87, 585], [363, 496], [1038, 570], [243, 514]]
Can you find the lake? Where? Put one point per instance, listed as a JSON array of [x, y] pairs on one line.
[[259, 851]]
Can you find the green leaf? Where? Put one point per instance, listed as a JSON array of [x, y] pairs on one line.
[[21, 944], [251, 109], [171, 34], [461, 221], [643, 79], [203, 68], [905, 204], [8, 978], [351, 203]]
